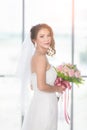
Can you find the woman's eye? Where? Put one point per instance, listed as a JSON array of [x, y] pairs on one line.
[[49, 35], [45, 36], [41, 36]]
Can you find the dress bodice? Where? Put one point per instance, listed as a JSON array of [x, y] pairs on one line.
[[50, 78]]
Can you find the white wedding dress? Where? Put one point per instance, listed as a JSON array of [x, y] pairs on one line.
[[43, 112]]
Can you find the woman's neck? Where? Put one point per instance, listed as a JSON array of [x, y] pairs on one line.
[[41, 51]]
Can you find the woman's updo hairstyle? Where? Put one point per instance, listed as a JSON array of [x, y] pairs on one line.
[[33, 34]]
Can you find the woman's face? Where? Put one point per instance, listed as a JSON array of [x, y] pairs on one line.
[[43, 38]]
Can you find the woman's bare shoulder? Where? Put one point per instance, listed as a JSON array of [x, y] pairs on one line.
[[39, 62]]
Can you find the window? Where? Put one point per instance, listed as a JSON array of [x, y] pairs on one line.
[[16, 18], [10, 44]]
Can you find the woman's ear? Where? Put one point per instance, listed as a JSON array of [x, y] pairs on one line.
[[33, 41], [35, 44]]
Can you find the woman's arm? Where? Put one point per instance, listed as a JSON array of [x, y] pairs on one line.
[[41, 68]]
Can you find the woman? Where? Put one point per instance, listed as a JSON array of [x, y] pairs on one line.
[[42, 113]]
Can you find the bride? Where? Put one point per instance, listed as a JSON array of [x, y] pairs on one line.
[[42, 113]]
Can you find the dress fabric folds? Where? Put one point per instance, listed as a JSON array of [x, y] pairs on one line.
[[42, 113]]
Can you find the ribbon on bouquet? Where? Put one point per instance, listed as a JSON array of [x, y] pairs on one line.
[[60, 82], [66, 102]]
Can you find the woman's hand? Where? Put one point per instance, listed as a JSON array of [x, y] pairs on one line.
[[60, 88]]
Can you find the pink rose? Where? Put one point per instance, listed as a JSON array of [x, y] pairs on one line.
[[71, 73], [60, 68], [77, 74], [66, 69]]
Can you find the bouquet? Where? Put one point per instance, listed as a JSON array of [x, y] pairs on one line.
[[66, 74], [70, 73]]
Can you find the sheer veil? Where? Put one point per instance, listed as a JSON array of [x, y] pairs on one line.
[[23, 72], [24, 65]]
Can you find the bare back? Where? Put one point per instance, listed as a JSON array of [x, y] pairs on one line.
[[39, 59]]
